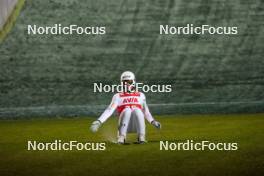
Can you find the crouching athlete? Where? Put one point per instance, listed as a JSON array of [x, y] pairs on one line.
[[132, 108]]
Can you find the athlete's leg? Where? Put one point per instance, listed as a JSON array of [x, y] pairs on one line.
[[123, 124], [140, 123]]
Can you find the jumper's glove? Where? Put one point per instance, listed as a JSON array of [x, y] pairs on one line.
[[156, 124], [95, 126]]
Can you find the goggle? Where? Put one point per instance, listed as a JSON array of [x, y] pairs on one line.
[[128, 82]]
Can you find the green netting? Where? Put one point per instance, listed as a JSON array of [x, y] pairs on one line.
[[54, 74]]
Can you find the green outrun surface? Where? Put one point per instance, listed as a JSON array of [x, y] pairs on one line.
[[134, 159]]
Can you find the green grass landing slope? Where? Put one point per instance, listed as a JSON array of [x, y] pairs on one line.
[[246, 130]]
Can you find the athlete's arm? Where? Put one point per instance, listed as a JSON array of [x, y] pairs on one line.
[[148, 115], [109, 110], [146, 111], [106, 114]]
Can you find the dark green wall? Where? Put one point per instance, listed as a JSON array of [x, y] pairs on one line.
[[53, 75]]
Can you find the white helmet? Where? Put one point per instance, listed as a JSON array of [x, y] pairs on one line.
[[129, 79], [127, 75]]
